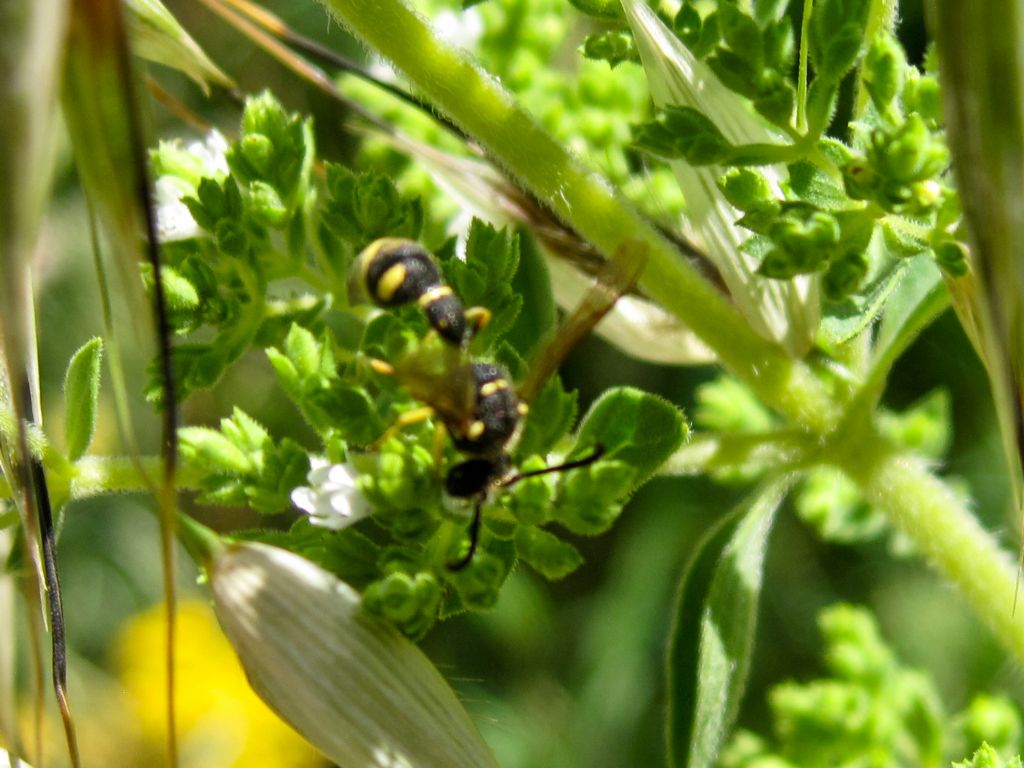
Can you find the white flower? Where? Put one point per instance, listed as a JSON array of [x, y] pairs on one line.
[[332, 499], [349, 683], [198, 160], [173, 219]]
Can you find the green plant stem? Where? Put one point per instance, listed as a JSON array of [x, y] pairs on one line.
[[788, 449], [944, 531], [98, 475], [586, 202], [801, 85]]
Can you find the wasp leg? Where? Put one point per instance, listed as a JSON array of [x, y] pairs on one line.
[[377, 365], [477, 318], [440, 433], [474, 538], [406, 419], [594, 455]]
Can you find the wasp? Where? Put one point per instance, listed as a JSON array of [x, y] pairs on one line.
[[476, 402]]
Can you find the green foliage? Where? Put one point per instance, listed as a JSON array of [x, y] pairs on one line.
[[81, 397], [873, 710], [614, 47], [224, 279], [713, 630], [242, 464], [261, 259], [885, 181]]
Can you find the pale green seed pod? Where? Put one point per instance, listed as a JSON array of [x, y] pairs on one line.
[[357, 690]]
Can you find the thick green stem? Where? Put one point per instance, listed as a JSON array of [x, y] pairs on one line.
[[708, 453], [96, 475], [947, 534], [586, 202]]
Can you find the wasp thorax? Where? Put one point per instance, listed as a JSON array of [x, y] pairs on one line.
[[395, 271]]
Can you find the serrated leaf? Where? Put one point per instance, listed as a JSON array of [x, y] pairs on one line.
[[546, 553], [551, 414], [810, 183], [81, 397], [837, 34], [209, 449], [845, 319], [712, 633], [634, 427], [303, 350]]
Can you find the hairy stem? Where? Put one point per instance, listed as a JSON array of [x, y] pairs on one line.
[[946, 533]]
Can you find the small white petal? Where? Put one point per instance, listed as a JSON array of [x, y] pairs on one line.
[[173, 219], [305, 499], [342, 476], [332, 499]]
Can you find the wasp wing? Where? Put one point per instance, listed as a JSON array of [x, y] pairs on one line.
[[617, 277]]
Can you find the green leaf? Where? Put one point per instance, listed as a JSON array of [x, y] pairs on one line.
[[683, 132], [546, 553], [486, 278], [712, 633], [539, 314], [81, 397], [769, 10], [634, 427], [837, 35], [884, 71], [918, 298], [157, 36], [811, 184], [303, 351], [844, 320], [363, 207], [211, 451], [741, 34], [987, 757], [551, 414]]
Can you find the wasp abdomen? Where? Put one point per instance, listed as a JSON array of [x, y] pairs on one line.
[[496, 412], [395, 271]]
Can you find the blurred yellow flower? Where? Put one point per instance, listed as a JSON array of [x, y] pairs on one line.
[[221, 722]]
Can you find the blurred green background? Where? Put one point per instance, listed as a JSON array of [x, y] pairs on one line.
[[559, 675]]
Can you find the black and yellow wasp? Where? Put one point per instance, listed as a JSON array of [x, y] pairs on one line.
[[476, 402]]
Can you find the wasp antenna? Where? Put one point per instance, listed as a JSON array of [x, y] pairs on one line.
[[474, 538], [594, 455]]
